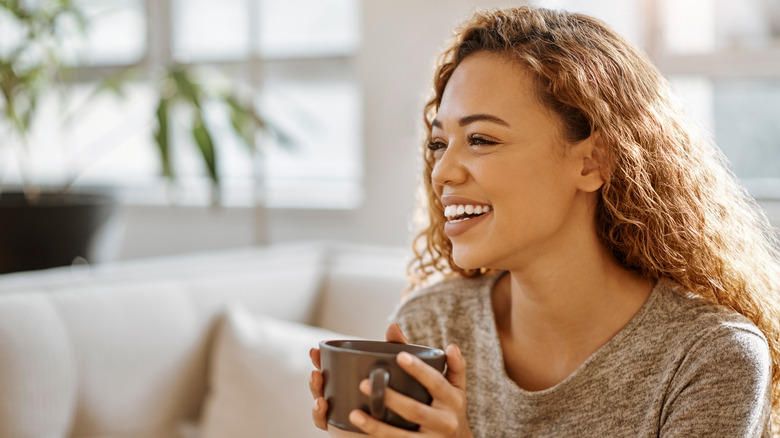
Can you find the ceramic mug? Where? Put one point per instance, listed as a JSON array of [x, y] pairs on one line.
[[345, 363]]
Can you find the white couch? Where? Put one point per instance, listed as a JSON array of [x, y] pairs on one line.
[[209, 345]]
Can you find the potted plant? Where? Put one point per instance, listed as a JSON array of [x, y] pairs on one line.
[[39, 227], [43, 227]]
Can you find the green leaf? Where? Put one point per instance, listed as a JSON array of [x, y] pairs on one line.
[[203, 139], [246, 120], [186, 86], [242, 119], [162, 138]]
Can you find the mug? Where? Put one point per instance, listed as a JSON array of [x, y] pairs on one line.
[[345, 363]]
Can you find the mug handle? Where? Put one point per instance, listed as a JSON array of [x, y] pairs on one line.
[[380, 378]]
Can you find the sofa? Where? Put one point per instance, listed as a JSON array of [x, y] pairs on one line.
[[208, 345]]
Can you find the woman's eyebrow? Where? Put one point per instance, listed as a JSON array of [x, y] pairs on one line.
[[474, 118]]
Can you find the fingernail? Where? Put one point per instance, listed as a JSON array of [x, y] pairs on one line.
[[356, 417], [317, 404], [404, 358]]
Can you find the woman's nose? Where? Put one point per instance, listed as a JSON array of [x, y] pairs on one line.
[[448, 169]]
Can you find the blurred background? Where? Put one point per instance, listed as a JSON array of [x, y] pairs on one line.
[[344, 81]]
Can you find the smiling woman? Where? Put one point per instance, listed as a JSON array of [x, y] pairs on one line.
[[604, 272]]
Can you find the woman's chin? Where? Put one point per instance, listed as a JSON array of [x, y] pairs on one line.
[[463, 259]]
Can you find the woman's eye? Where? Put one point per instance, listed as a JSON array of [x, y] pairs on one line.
[[436, 145], [478, 140]]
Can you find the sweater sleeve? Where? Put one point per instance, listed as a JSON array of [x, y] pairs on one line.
[[721, 388]]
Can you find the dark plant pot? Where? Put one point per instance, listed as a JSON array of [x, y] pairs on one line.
[[54, 231]]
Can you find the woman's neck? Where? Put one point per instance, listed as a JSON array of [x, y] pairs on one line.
[[563, 314]]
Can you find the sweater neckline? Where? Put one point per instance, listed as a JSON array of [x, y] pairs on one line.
[[498, 364]]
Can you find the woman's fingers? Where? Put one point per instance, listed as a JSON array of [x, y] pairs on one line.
[[314, 354], [445, 416], [315, 384], [394, 334], [414, 411], [376, 428], [320, 407], [318, 413], [434, 381], [456, 367]]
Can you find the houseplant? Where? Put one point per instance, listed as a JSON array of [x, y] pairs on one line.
[[42, 227], [39, 227]]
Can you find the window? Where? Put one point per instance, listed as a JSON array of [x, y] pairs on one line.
[[293, 56], [723, 57]]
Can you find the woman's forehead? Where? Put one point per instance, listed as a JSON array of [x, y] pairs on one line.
[[489, 85]]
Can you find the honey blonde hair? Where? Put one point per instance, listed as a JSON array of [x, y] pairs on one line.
[[670, 206]]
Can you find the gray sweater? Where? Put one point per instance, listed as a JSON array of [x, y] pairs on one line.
[[682, 367]]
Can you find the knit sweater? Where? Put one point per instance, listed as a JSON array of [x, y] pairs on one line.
[[682, 367]]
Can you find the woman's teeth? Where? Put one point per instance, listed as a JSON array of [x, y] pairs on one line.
[[458, 213]]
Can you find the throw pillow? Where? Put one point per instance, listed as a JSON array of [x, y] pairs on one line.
[[258, 383]]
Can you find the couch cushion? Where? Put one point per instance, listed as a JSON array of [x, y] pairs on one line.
[[37, 369], [258, 384], [141, 355]]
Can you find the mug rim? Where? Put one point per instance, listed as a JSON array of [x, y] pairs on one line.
[[430, 352]]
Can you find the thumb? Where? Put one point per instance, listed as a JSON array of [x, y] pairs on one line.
[[456, 367], [394, 334]]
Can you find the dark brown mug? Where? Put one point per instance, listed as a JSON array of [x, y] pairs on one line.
[[345, 363]]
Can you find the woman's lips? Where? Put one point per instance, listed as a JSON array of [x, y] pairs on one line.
[[457, 227]]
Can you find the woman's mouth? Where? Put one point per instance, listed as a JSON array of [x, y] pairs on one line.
[[462, 212]]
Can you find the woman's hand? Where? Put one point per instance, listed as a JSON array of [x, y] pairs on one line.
[[445, 417], [320, 409]]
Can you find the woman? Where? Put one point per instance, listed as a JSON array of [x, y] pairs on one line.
[[589, 261]]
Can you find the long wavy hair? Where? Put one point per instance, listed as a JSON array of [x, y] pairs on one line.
[[670, 206]]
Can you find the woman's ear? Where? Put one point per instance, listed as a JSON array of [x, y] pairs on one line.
[[594, 170]]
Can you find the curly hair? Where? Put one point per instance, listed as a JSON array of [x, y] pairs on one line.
[[670, 206]]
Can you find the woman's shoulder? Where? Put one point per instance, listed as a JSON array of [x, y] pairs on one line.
[[685, 306], [701, 351], [693, 319]]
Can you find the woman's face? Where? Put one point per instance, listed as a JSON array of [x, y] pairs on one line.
[[500, 156]]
